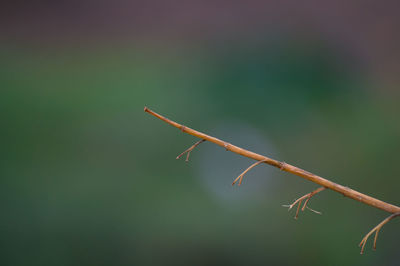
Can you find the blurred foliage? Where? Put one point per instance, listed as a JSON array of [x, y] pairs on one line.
[[88, 179]]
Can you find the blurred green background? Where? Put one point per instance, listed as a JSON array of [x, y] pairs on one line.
[[88, 178]]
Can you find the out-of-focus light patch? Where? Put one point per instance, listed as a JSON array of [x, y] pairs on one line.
[[217, 168]]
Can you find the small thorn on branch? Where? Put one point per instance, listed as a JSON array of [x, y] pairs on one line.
[[282, 165], [240, 177], [306, 197], [376, 229], [188, 151]]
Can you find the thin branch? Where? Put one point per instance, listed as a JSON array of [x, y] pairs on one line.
[[324, 183], [306, 197], [188, 151], [312, 194], [376, 229], [240, 177], [314, 211], [346, 191]]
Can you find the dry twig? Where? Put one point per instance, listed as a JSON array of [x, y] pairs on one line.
[[300, 200], [324, 183], [376, 229], [240, 177], [188, 151]]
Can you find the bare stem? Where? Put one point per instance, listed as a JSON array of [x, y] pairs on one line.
[[188, 151], [306, 197], [346, 191], [240, 177], [324, 183], [376, 229]]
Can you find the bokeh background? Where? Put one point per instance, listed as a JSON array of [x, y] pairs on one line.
[[88, 178]]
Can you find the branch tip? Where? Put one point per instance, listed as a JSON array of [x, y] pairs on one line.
[[376, 229], [298, 209]]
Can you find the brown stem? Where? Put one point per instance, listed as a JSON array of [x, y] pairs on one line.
[[346, 191], [300, 200], [188, 151], [376, 229]]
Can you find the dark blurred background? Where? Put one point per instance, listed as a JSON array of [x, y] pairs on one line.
[[87, 178]]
